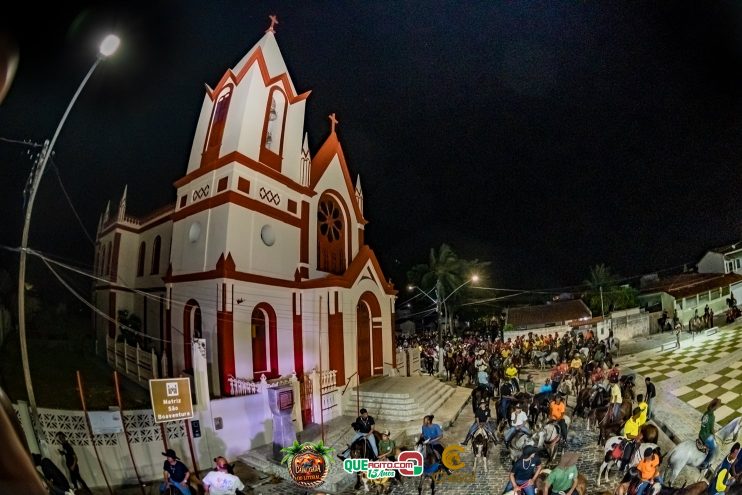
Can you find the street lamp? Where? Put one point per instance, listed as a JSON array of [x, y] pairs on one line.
[[108, 47]]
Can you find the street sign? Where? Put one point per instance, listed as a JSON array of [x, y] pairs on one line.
[[171, 399]]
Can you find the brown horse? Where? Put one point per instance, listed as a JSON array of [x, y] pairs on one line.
[[614, 427], [581, 487]]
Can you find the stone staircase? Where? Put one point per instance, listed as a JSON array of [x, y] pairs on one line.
[[399, 399]]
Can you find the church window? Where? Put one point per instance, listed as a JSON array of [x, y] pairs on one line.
[[216, 126], [156, 247], [273, 128], [140, 261], [331, 236]]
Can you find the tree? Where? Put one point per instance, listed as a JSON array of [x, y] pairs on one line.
[[605, 294], [446, 273]]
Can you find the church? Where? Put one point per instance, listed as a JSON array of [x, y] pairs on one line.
[[262, 254]]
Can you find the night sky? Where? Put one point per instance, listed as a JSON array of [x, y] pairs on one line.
[[544, 137]]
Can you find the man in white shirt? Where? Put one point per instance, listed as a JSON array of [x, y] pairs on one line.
[[518, 422], [220, 482]]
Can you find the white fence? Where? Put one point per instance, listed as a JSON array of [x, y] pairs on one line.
[[140, 366]]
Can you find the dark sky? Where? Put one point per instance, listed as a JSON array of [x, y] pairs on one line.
[[542, 136]]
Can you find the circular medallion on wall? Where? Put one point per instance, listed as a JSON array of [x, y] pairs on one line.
[[194, 232], [267, 235]]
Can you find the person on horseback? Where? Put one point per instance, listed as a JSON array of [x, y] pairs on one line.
[[706, 434], [632, 432], [563, 478], [644, 408], [518, 423], [431, 435], [524, 473], [529, 386], [506, 395], [511, 373], [576, 363], [648, 470], [481, 420], [364, 427], [556, 414], [387, 446], [614, 406]]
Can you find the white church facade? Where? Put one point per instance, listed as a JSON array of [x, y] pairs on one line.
[[263, 252]]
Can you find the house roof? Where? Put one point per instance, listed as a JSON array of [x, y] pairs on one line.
[[689, 284], [557, 312], [728, 248]]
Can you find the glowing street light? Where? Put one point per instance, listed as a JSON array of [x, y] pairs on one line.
[[108, 47]]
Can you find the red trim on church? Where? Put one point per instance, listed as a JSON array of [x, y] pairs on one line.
[[238, 199], [296, 306], [335, 343], [225, 346], [259, 58]]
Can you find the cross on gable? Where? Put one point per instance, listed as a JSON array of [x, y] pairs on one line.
[[274, 21], [333, 122]]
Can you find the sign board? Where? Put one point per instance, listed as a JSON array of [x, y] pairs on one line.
[[105, 422], [171, 399]]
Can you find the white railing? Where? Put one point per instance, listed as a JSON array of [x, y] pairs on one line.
[[242, 386], [139, 365], [329, 379]]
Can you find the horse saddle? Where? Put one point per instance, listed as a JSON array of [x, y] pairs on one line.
[[701, 446]]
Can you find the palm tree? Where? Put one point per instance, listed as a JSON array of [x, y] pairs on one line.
[[446, 273], [605, 292]]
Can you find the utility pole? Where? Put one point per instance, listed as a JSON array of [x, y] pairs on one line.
[[602, 310]]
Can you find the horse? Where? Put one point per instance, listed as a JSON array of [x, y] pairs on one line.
[[449, 364], [687, 454], [630, 483], [696, 324], [615, 425], [549, 436], [580, 488], [460, 373], [568, 386], [552, 358], [361, 449], [479, 447], [611, 457], [431, 466], [518, 443]]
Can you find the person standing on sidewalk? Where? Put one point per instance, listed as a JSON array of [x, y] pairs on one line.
[[650, 395], [677, 336]]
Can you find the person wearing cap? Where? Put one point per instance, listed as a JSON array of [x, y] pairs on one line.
[[525, 471], [706, 434], [632, 432], [387, 446], [563, 478], [481, 420], [518, 422], [221, 482], [176, 473], [614, 407], [557, 408]]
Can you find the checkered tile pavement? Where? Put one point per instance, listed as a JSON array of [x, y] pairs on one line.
[[726, 384], [688, 358]]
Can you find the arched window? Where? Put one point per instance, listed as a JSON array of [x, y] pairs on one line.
[[140, 260], [156, 256], [273, 127], [331, 235], [191, 330], [216, 126], [264, 341]]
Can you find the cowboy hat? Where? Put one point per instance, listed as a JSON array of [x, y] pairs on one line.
[[171, 453], [528, 451], [385, 432]]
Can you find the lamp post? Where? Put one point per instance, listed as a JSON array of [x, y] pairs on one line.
[[108, 47]]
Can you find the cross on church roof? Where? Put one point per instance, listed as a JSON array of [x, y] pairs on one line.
[[333, 122], [274, 21]]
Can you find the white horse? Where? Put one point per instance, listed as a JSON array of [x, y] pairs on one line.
[[567, 386], [552, 358], [686, 454], [585, 351], [517, 445], [608, 463], [548, 437]]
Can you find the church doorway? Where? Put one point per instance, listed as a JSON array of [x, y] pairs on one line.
[[191, 330], [368, 331]]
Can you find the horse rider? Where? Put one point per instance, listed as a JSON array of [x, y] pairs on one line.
[[481, 420], [387, 446], [511, 373], [563, 478], [506, 395], [648, 470], [480, 363], [518, 423], [632, 432], [529, 386], [524, 473], [556, 414], [614, 405], [644, 408], [431, 435], [706, 434], [364, 427]]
